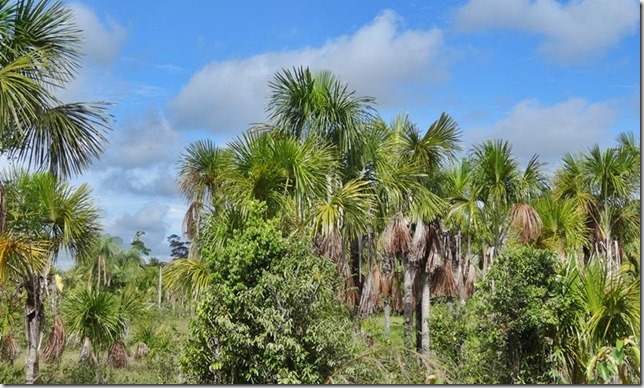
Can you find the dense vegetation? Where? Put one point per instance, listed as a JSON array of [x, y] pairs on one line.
[[325, 245]]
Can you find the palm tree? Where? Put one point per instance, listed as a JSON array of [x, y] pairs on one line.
[[403, 166], [505, 193], [605, 309], [42, 208], [95, 315], [107, 249], [605, 186], [40, 51]]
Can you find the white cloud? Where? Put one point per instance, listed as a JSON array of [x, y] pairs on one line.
[[102, 41], [142, 141], [101, 44], [573, 32], [150, 218], [379, 60], [157, 181], [551, 131]]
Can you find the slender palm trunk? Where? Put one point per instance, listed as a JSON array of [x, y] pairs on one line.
[[98, 278], [425, 306], [408, 312], [159, 289], [34, 320], [387, 315], [418, 316]]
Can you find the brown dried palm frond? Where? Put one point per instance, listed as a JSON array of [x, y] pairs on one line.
[[435, 259], [9, 349], [56, 342], [117, 355], [376, 280], [386, 283], [140, 350], [191, 219], [395, 237], [419, 244], [331, 246], [469, 282], [87, 352], [526, 221], [351, 294], [443, 283], [396, 294]]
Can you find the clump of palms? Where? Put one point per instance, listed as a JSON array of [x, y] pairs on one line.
[[605, 310]]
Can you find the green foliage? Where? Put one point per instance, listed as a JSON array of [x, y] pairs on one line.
[[271, 315], [505, 333], [448, 331], [616, 364], [94, 314]]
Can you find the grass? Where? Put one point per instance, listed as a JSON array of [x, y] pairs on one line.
[[159, 367], [374, 329]]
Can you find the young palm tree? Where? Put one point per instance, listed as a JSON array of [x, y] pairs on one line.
[[95, 315]]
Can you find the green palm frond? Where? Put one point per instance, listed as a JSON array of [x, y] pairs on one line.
[[563, 226], [188, 276], [94, 314], [65, 139], [36, 25], [19, 257]]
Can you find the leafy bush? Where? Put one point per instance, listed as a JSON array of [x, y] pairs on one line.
[[506, 332], [271, 315]]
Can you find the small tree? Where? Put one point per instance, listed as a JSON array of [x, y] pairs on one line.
[[178, 249], [271, 316]]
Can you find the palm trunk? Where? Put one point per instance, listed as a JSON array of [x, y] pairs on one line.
[[98, 278], [387, 316], [34, 319], [424, 342], [408, 329], [418, 316], [159, 289]]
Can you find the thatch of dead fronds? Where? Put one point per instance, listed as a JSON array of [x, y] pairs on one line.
[[471, 279], [396, 238], [117, 355], [434, 256], [9, 349], [56, 342], [419, 244], [526, 221], [443, 283], [370, 300], [140, 350], [396, 294]]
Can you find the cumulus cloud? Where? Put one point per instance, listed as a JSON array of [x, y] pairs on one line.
[[377, 60], [551, 131], [102, 41], [150, 218], [157, 181], [143, 141], [101, 44], [573, 31]]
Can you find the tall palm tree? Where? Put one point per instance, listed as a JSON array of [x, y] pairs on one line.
[[42, 208], [40, 52], [505, 193], [605, 186]]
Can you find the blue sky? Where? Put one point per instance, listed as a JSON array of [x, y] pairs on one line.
[[549, 76]]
